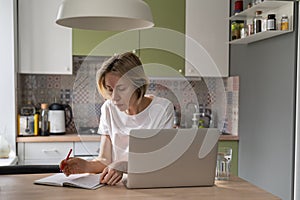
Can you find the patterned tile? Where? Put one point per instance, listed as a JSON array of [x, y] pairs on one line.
[[216, 93]]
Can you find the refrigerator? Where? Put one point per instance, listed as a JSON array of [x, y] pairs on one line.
[[269, 112], [8, 72]]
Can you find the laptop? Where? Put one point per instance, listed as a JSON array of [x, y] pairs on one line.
[[172, 157]]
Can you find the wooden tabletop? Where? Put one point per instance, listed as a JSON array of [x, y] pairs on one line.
[[14, 187], [88, 138]]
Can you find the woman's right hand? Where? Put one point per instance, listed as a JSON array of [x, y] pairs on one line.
[[74, 166]]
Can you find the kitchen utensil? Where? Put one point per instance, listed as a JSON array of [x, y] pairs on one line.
[[57, 118]]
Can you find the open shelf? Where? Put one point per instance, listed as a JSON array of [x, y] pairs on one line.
[[258, 36], [267, 7]]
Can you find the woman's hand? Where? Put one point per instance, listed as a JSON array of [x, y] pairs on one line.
[[74, 166], [110, 176]]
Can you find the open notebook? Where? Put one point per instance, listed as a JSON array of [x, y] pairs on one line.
[[85, 181]]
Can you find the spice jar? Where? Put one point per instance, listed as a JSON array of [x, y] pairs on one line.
[[250, 29], [271, 22], [284, 23], [238, 6]]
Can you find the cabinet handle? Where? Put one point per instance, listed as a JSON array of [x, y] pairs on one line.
[[49, 150]]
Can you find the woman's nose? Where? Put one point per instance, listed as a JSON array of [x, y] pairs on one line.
[[115, 96]]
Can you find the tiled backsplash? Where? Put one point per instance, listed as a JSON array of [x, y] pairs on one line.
[[79, 90]]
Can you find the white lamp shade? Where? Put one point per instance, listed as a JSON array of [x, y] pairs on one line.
[[114, 15]]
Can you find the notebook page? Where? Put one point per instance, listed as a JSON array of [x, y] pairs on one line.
[[87, 181]]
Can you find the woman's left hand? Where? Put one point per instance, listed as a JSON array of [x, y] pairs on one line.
[[110, 176]]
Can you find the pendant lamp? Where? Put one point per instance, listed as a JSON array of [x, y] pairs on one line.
[[106, 15]]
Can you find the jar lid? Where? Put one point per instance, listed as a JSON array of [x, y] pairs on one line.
[[44, 106], [271, 16], [258, 12]]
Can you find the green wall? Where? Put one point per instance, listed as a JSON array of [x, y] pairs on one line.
[[169, 14]]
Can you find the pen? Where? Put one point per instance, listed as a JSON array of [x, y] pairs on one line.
[[67, 158]]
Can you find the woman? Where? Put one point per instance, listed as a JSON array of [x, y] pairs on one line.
[[122, 81]]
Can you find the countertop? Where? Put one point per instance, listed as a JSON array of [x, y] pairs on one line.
[[88, 138], [11, 160], [21, 187]]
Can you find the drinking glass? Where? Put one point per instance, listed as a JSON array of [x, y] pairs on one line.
[[223, 163]]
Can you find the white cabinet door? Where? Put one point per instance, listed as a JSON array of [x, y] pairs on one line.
[[43, 152], [44, 46], [207, 35]]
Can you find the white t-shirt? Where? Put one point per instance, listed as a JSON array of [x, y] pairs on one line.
[[159, 114]]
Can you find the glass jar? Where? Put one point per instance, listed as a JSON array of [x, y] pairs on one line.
[[235, 33], [236, 27], [271, 22], [284, 23], [257, 22]]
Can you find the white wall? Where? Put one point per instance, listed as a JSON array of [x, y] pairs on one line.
[[7, 73]]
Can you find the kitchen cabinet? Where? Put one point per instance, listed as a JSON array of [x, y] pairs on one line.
[[52, 149], [51, 153], [86, 150], [207, 33], [104, 43], [267, 7], [88, 42], [44, 46]]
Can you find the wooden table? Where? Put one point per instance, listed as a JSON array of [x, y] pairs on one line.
[[14, 187]]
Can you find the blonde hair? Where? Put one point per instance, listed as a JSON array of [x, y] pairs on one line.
[[127, 65]]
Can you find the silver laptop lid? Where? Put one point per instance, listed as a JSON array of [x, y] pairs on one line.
[[172, 157]]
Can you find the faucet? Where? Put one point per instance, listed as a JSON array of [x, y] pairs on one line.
[[196, 106], [201, 117]]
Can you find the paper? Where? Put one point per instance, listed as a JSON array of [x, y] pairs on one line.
[[86, 181]]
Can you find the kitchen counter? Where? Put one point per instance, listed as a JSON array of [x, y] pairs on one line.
[[88, 138], [21, 187], [11, 160], [60, 138]]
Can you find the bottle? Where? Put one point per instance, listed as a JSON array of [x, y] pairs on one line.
[[44, 120], [257, 22], [284, 23], [176, 123], [271, 22], [36, 124]]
